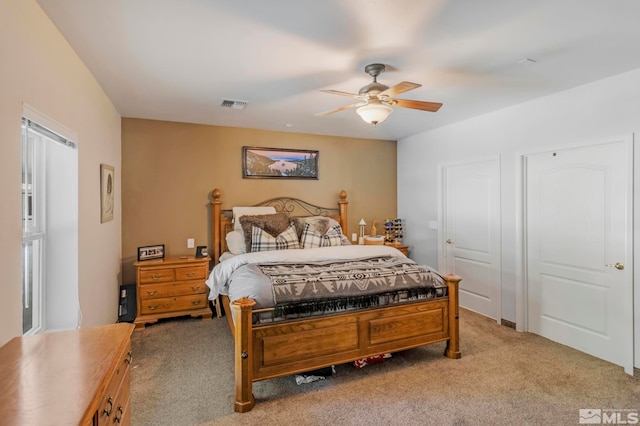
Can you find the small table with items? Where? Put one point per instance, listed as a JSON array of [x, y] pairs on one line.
[[404, 249], [172, 287]]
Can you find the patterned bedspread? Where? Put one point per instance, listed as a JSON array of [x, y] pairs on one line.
[[397, 279], [300, 288]]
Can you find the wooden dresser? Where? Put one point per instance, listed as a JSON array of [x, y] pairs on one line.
[[171, 287], [76, 377]]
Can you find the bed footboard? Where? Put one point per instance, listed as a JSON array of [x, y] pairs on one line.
[[290, 347]]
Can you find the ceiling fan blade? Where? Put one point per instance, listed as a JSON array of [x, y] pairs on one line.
[[403, 86], [421, 105], [339, 109], [337, 92]]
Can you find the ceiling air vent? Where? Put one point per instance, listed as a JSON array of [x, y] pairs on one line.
[[226, 103]]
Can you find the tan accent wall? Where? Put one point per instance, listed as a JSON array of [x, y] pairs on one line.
[[169, 170], [40, 69]]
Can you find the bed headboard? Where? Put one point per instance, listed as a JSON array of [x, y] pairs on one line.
[[221, 220]]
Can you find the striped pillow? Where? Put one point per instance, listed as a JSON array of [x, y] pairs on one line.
[[263, 241], [311, 238]]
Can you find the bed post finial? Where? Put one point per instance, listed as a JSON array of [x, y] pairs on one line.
[[343, 211], [216, 194]]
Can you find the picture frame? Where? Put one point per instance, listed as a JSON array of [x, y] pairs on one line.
[[107, 191], [151, 252], [279, 163]]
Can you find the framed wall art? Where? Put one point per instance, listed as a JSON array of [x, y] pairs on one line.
[[279, 163], [107, 189], [151, 252]]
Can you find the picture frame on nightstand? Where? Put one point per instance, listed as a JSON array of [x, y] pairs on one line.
[[151, 252]]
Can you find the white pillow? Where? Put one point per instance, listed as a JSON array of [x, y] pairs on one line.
[[235, 242], [241, 211]]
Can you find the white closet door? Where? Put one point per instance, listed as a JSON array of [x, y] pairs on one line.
[[471, 233], [579, 239]]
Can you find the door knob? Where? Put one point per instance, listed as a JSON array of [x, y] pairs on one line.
[[617, 265], [449, 241]]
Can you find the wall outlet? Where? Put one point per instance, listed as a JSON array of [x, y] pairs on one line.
[[354, 237], [191, 243]]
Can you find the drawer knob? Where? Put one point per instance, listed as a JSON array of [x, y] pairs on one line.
[[195, 302], [108, 410], [129, 358], [190, 274], [152, 293], [152, 308], [119, 414], [156, 277], [196, 288]]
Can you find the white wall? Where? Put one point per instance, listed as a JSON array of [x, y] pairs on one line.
[[42, 70], [592, 113]]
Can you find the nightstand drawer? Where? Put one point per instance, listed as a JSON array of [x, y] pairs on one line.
[[156, 276], [172, 304], [154, 291], [191, 273]]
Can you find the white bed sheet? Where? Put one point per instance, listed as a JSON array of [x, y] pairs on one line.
[[218, 280]]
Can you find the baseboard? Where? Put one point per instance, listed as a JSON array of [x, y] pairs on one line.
[[508, 323]]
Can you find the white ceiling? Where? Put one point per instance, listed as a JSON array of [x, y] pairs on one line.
[[177, 60]]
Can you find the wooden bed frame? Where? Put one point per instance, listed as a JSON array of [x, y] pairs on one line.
[[283, 348]]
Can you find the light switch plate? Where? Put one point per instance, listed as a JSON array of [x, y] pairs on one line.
[[191, 243]]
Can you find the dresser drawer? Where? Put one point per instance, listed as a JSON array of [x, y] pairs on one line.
[[171, 304], [119, 380], [191, 273], [184, 288], [121, 405], [126, 416], [156, 275]]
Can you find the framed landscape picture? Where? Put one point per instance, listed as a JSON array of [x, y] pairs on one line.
[[279, 163]]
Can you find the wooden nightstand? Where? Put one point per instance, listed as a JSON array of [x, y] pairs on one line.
[[171, 287], [404, 249]]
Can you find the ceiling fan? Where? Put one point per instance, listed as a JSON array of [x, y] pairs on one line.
[[376, 99]]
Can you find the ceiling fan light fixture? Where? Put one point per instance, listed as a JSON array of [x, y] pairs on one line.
[[374, 113]]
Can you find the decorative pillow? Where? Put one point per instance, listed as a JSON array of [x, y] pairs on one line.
[[320, 223], [262, 241], [241, 211], [274, 224], [312, 238], [235, 242]]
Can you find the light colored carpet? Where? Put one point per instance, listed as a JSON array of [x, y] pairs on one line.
[[183, 375]]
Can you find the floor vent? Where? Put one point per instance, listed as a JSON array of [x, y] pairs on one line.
[[226, 103], [508, 323]]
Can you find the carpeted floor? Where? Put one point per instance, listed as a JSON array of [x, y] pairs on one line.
[[183, 375]]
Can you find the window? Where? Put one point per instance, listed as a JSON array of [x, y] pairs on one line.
[[49, 227], [32, 229]]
